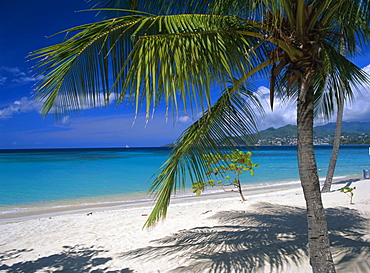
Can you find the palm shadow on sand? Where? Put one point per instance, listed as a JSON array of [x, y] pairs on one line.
[[347, 182], [71, 259], [271, 235]]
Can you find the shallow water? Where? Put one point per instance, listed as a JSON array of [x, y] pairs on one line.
[[61, 177]]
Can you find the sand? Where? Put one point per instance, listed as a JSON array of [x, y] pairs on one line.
[[207, 233]]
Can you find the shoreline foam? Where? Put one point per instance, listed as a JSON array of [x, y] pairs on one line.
[[124, 201]]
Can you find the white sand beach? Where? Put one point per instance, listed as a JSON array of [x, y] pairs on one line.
[[207, 233]]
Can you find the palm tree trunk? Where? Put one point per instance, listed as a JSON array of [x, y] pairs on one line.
[[335, 151], [240, 190], [318, 239]]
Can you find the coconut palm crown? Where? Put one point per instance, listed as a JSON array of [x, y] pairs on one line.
[[203, 55]]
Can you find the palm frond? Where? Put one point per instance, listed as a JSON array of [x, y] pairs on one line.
[[352, 31], [160, 7], [134, 56], [231, 122], [341, 80], [76, 72]]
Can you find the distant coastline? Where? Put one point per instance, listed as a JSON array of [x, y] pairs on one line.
[[353, 133]]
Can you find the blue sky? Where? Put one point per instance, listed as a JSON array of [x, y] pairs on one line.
[[24, 27]]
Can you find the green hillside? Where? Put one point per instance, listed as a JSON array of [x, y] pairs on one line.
[[351, 127], [352, 133]]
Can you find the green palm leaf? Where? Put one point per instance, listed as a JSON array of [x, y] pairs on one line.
[[343, 77], [134, 56], [231, 122]]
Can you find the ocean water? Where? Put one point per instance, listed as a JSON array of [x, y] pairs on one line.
[[56, 177]]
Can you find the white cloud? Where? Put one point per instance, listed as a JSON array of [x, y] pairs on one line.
[[84, 103], [25, 79], [367, 69], [3, 80], [16, 71], [23, 105], [15, 74], [112, 130], [185, 119], [285, 112], [359, 108], [65, 120]]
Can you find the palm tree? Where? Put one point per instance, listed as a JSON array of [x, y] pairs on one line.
[[180, 52], [325, 101], [335, 151]]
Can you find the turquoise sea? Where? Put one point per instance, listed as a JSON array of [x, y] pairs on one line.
[[58, 177]]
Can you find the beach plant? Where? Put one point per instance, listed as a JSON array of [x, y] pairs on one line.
[[224, 165], [349, 192], [202, 56]]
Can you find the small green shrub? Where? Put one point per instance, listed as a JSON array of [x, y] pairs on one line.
[[349, 192], [224, 165]]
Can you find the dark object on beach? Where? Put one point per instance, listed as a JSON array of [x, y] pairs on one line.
[[90, 213], [207, 211], [366, 174]]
